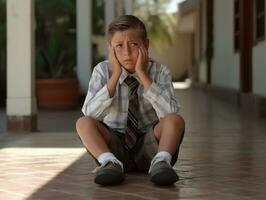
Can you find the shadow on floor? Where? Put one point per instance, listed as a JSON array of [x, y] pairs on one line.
[[222, 157], [77, 182]]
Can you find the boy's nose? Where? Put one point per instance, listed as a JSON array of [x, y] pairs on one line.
[[126, 50]]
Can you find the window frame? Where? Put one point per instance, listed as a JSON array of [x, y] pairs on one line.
[[236, 25], [259, 16]]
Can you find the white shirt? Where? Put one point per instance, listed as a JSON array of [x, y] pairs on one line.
[[154, 103]]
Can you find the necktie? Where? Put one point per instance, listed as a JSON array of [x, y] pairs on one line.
[[132, 131]]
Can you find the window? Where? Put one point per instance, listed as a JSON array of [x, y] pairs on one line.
[[259, 20], [236, 25]]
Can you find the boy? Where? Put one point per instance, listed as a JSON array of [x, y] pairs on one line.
[[130, 121]]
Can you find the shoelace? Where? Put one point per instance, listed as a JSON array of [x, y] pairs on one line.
[[114, 161], [156, 160]]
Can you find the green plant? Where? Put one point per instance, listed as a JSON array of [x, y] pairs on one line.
[[98, 25], [159, 23], [98, 29], [52, 60], [55, 39]]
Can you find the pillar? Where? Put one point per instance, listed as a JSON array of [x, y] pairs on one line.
[[21, 98], [84, 44]]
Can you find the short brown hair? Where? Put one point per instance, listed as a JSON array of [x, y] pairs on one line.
[[126, 22]]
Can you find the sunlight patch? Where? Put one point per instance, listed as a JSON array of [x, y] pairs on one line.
[[43, 151], [182, 85]]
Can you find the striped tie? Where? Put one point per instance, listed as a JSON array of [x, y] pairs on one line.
[[132, 131]]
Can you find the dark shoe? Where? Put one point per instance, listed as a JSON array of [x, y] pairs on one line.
[[109, 174], [161, 173]]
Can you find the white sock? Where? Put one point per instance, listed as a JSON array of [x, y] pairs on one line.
[[108, 156], [105, 157], [162, 155]]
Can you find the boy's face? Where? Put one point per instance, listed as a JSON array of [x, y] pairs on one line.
[[126, 45]]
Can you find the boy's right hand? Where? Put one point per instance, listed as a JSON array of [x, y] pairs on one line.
[[116, 67]]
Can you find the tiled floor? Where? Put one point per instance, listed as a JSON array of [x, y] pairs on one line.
[[223, 156]]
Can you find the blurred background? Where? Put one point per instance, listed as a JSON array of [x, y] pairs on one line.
[[48, 49], [215, 50]]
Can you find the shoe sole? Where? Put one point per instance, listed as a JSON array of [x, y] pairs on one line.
[[164, 176], [109, 177]]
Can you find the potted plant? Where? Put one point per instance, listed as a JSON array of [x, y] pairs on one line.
[[57, 85]]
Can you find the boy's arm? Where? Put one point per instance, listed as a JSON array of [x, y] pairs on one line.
[[117, 70], [101, 92], [98, 99], [141, 67], [161, 94]]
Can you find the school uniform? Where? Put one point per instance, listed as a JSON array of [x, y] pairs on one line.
[[153, 104]]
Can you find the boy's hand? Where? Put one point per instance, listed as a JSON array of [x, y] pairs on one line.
[[142, 61], [116, 67], [141, 67], [117, 70]]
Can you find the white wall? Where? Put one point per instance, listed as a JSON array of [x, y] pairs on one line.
[[203, 38], [203, 70], [176, 56], [259, 69], [225, 66]]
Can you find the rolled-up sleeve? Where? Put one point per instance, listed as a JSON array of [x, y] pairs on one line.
[[97, 101], [161, 94]]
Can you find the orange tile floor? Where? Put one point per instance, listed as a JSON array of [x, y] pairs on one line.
[[223, 156]]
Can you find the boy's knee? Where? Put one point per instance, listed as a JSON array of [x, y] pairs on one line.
[[175, 119], [86, 122]]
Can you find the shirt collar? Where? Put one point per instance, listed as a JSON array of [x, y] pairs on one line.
[[125, 74]]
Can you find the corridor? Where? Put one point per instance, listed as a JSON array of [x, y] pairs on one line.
[[222, 157]]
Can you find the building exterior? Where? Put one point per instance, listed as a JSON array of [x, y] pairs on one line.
[[225, 51], [229, 48], [21, 108]]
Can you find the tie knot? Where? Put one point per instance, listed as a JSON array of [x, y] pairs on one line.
[[132, 84]]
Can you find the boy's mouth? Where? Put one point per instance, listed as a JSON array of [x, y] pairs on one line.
[[127, 61]]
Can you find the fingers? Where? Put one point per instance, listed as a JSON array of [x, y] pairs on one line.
[[144, 52], [112, 51], [142, 59], [115, 64], [112, 54]]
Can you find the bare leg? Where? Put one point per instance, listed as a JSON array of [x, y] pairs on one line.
[[169, 132], [94, 135]]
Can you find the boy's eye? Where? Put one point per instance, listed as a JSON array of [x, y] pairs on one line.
[[118, 46], [134, 44]]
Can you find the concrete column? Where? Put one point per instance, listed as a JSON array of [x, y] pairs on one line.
[[21, 99], [84, 44], [129, 7]]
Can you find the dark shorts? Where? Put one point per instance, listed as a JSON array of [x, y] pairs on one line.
[[139, 158]]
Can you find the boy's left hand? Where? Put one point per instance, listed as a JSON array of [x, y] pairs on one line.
[[142, 61]]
